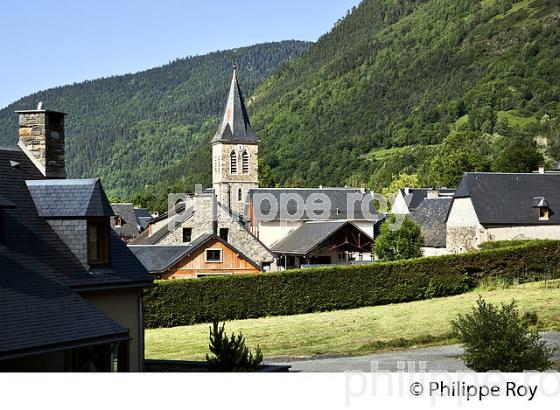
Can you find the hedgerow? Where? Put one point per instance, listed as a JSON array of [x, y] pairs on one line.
[[186, 302]]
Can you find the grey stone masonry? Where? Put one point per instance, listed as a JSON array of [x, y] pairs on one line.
[[238, 236], [41, 137], [73, 233]]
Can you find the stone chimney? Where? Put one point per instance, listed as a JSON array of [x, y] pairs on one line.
[[41, 137], [433, 194]]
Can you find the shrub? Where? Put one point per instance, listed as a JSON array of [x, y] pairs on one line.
[[231, 354], [499, 339], [186, 302], [404, 243]]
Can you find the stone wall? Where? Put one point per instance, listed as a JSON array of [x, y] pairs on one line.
[[226, 184], [238, 236], [73, 233], [41, 137]]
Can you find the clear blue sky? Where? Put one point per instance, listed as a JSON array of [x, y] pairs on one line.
[[46, 43]]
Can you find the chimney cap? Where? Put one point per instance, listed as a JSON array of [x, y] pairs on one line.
[[39, 109]]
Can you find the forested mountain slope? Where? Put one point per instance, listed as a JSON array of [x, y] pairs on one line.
[[130, 129], [409, 74], [432, 88]]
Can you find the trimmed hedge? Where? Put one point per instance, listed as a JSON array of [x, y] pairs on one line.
[[186, 302]]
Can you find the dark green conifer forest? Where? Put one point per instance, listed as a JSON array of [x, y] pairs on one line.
[[426, 87]]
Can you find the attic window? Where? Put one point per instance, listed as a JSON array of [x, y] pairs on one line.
[[542, 209], [98, 241], [224, 233], [118, 222], [187, 235], [213, 255]]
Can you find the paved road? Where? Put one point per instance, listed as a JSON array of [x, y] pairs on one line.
[[442, 358]]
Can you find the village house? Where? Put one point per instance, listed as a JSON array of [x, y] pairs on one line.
[[129, 222], [208, 255], [503, 206], [70, 290], [340, 233], [431, 216], [408, 199]]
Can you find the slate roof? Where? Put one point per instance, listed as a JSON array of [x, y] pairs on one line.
[[307, 237], [60, 198], [236, 126], [130, 226], [159, 259], [342, 203], [431, 216], [145, 239], [508, 199], [415, 196], [144, 217], [39, 275], [4, 203]]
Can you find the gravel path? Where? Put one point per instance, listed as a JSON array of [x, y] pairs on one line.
[[441, 358]]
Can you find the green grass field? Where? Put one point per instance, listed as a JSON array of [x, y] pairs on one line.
[[357, 331]]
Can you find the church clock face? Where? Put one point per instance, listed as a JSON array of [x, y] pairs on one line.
[[240, 147]]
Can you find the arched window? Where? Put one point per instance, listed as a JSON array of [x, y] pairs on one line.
[[233, 163], [239, 195], [245, 162]]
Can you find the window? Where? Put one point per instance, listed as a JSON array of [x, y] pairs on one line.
[[239, 195], [98, 241], [187, 235], [213, 255], [544, 214], [118, 221], [233, 163], [245, 162], [341, 256], [224, 232]]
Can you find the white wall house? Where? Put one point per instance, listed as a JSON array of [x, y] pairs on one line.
[[277, 220], [496, 207], [408, 199]]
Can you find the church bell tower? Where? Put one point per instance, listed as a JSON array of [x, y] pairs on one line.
[[235, 153]]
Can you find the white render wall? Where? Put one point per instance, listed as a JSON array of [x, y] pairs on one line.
[[399, 206], [273, 231], [465, 233], [509, 233]]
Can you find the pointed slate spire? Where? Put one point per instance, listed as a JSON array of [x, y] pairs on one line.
[[235, 127]]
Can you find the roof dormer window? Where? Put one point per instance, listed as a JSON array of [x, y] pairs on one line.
[[542, 208], [119, 222], [98, 241]]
